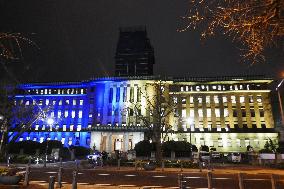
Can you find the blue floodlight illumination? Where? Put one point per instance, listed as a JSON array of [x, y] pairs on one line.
[[50, 121]]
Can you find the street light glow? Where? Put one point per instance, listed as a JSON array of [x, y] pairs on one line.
[[50, 121]]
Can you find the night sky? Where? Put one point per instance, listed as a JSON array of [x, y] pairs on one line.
[[77, 39]]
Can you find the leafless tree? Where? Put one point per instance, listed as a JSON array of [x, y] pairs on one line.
[[256, 24], [158, 106]]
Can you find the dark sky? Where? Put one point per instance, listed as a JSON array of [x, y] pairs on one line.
[[77, 39]]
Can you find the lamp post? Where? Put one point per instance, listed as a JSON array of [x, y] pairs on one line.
[[280, 101]]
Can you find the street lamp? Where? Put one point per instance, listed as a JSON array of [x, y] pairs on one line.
[[280, 101]]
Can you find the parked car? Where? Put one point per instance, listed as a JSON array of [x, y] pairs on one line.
[[216, 155], [234, 157], [204, 156], [95, 158]]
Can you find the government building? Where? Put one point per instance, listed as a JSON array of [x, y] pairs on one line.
[[227, 113]]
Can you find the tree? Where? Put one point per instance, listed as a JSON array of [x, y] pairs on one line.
[[15, 119], [157, 107], [256, 24]]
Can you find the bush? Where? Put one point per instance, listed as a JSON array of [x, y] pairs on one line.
[[50, 144], [204, 148], [28, 146], [65, 153], [144, 148], [182, 148], [81, 151]]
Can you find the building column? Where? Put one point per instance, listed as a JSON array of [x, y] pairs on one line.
[[126, 142], [109, 142]]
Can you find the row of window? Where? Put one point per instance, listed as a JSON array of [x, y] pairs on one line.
[[123, 97], [219, 99], [51, 102], [219, 87], [57, 91]]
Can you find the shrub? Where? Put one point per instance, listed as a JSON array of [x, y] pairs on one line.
[[65, 153], [28, 146], [204, 148], [50, 144], [143, 148], [81, 151], [182, 148]]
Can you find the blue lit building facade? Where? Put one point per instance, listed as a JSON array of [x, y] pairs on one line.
[[228, 113]]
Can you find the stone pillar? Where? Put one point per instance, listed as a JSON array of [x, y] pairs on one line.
[[109, 142], [126, 142]]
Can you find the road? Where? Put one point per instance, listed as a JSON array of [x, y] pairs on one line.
[[129, 178]]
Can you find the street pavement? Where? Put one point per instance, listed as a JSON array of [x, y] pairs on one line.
[[224, 177]]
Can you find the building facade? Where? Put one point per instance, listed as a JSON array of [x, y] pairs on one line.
[[227, 113]]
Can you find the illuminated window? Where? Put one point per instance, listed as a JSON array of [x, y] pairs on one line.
[[53, 102], [199, 100], [73, 114], [36, 127], [242, 99], [71, 127], [131, 94], [40, 102], [43, 127], [236, 87], [52, 114], [66, 113], [209, 127], [81, 102], [41, 139], [217, 112], [66, 101], [216, 99], [60, 102], [224, 99], [82, 91], [183, 100], [64, 127], [89, 126], [70, 141], [219, 87], [90, 115], [208, 112], [181, 88], [74, 102], [226, 112], [233, 99], [258, 98], [175, 100], [35, 139], [183, 113], [27, 103], [59, 113], [79, 127], [138, 94], [197, 88], [186, 88], [62, 140], [58, 91], [46, 101], [214, 87], [218, 128], [80, 114], [207, 99], [191, 99]]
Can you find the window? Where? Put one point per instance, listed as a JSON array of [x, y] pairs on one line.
[[124, 94], [191, 99], [207, 99], [80, 114], [218, 128], [46, 102], [67, 102], [175, 100], [63, 140], [252, 113], [110, 97], [176, 112], [183, 100], [79, 127], [43, 127], [82, 91], [27, 103], [261, 112], [36, 127], [66, 113], [81, 102], [208, 112], [233, 99], [250, 99], [258, 98], [64, 127], [226, 112], [138, 94], [73, 114], [59, 114], [216, 99], [71, 127], [242, 99], [191, 113], [131, 94], [74, 102], [181, 88], [117, 94], [217, 112], [70, 141], [224, 99], [199, 100]]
